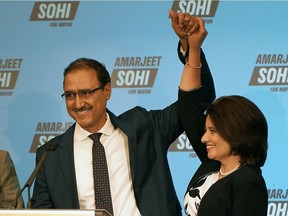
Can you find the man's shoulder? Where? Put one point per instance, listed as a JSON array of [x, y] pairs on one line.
[[128, 114], [3, 152]]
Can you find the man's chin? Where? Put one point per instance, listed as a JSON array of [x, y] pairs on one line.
[[83, 122]]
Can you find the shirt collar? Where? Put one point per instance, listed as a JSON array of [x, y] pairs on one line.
[[80, 134]]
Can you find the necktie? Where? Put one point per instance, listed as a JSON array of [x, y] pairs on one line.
[[100, 173]]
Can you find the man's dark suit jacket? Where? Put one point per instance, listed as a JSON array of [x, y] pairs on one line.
[[150, 134], [9, 183]]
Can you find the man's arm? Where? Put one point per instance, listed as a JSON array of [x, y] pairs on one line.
[[9, 183]]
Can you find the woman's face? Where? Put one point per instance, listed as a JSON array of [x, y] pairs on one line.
[[217, 148]]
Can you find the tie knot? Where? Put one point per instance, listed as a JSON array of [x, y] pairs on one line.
[[95, 137]]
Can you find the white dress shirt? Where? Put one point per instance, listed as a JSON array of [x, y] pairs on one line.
[[115, 143]]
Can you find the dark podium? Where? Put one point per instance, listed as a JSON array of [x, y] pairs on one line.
[[54, 212]]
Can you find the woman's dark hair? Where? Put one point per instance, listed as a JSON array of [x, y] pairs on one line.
[[242, 124], [86, 63]]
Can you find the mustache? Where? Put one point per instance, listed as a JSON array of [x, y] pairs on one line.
[[84, 108]]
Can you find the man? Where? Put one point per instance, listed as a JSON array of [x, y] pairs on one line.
[[136, 144], [9, 183]]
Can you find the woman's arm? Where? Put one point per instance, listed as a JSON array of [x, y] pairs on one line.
[[191, 104]]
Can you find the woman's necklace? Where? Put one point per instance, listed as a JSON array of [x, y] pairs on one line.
[[227, 173]]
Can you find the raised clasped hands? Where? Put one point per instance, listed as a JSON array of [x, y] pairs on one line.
[[190, 29]]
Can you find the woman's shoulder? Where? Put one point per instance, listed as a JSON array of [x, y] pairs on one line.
[[248, 174], [249, 170]]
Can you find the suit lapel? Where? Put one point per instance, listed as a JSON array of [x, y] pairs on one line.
[[66, 157]]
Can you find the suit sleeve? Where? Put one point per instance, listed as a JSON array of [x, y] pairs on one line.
[[206, 76], [9, 183]]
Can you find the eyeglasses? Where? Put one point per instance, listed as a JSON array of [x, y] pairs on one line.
[[85, 93]]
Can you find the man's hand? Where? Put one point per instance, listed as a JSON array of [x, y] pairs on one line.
[[184, 25]]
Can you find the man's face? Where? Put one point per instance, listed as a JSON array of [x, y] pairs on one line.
[[88, 111]]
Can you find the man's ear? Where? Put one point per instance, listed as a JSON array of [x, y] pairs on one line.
[[108, 90]]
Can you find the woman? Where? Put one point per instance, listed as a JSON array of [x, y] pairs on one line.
[[230, 139]]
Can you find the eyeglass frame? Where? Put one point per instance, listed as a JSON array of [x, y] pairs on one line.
[[81, 93]]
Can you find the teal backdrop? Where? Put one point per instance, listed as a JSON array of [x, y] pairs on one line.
[[246, 48]]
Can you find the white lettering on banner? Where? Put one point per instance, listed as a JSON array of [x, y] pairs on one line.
[[39, 140], [277, 209], [270, 69], [8, 79], [45, 131], [131, 77], [52, 10], [135, 72], [203, 8], [56, 10], [43, 139], [193, 7], [269, 75], [5, 78], [184, 143], [273, 75]]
